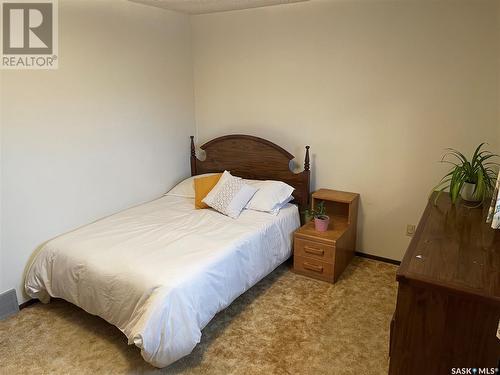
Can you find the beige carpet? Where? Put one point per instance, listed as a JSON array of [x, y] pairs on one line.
[[286, 324]]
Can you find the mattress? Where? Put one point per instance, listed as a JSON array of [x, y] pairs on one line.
[[160, 271]]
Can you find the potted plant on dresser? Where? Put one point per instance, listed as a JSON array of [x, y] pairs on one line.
[[473, 180], [318, 214]]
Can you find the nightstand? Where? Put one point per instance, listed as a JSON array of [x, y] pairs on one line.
[[324, 255]]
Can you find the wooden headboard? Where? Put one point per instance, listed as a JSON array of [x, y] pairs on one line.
[[252, 158]]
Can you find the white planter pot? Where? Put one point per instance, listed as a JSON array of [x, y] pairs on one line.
[[467, 193]]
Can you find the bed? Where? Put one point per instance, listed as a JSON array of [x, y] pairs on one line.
[[160, 271]]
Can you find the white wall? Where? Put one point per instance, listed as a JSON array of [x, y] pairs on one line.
[[2, 287], [377, 88], [109, 129]]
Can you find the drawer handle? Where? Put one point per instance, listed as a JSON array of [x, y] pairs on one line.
[[314, 251], [313, 267]]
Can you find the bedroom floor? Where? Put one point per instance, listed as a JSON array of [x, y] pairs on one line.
[[286, 324]]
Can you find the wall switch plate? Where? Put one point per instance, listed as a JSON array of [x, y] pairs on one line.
[[8, 304], [410, 230]]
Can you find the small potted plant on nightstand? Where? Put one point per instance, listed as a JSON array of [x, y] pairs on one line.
[[321, 220]]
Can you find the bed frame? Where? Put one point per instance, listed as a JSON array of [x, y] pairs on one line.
[[253, 158]]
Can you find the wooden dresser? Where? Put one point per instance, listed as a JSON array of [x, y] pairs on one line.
[[324, 255], [448, 304]]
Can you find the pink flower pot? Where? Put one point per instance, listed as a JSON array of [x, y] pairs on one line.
[[321, 224]]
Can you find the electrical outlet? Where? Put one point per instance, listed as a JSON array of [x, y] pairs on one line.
[[410, 230]]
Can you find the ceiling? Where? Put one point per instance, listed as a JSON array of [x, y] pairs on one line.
[[211, 6]]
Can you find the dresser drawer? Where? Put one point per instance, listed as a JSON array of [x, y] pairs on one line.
[[311, 249], [313, 267]]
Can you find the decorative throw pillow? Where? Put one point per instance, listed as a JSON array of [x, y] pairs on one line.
[[230, 195], [202, 186]]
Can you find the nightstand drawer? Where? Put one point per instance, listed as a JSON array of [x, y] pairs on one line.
[[313, 267], [316, 250]]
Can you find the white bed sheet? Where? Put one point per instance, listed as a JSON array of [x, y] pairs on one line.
[[162, 270]]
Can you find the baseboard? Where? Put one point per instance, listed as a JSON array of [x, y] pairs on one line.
[[28, 303], [376, 257]]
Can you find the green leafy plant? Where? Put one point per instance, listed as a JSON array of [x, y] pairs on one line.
[[318, 212], [478, 171]]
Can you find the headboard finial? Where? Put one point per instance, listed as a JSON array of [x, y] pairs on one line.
[[193, 157], [193, 150], [306, 160]]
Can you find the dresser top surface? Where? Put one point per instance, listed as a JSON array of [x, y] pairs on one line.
[[455, 248]]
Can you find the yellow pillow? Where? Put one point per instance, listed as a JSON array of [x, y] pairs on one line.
[[202, 186]]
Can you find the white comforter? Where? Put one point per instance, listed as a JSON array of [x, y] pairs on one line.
[[162, 270]]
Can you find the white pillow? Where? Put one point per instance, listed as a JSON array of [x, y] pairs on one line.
[[271, 195], [230, 195], [185, 188], [277, 208]]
